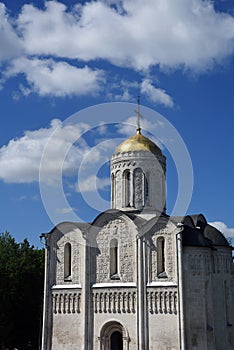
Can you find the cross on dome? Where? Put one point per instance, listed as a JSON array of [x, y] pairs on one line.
[[138, 115]]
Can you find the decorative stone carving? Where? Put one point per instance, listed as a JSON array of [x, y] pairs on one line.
[[138, 188], [138, 164], [66, 303], [75, 262], [119, 230], [114, 301], [169, 255], [197, 263], [162, 301]]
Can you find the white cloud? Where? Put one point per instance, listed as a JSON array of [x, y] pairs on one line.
[[92, 184], [55, 46], [10, 43], [47, 77], [33, 198], [20, 159], [138, 34], [124, 95], [59, 152], [221, 226], [102, 128], [127, 90], [156, 95], [128, 127], [122, 90], [64, 210]]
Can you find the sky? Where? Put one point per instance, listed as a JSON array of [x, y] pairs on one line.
[[70, 75]]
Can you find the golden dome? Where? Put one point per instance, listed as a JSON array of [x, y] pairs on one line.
[[136, 143]]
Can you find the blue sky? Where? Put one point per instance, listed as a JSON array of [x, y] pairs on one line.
[[59, 58]]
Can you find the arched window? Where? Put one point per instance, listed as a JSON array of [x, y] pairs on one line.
[[126, 194], [113, 190], [146, 189], [118, 193], [67, 261], [161, 257], [114, 259]]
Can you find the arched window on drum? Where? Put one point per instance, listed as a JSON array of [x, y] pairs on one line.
[[113, 190], [146, 189], [126, 188]]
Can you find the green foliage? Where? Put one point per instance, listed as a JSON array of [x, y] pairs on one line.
[[21, 293]]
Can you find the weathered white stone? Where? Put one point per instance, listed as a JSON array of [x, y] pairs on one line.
[[172, 287]]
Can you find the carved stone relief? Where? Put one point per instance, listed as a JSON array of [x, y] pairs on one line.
[[169, 256], [162, 301], [66, 302], [116, 229], [138, 187], [195, 262], [114, 301], [75, 261]]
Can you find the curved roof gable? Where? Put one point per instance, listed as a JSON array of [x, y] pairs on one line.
[[215, 236]]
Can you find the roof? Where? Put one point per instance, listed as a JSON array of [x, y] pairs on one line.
[[201, 234], [194, 237], [136, 143], [195, 229], [197, 232], [215, 236]]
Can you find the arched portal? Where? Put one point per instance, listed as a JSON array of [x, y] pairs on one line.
[[113, 336], [116, 341]]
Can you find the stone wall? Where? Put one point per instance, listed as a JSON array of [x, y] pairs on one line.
[[161, 300], [114, 300], [208, 306], [169, 255], [115, 229], [80, 309], [144, 168]]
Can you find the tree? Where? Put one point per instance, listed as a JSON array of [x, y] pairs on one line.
[[21, 293]]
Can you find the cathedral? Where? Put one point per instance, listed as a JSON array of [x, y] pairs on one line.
[[136, 278]]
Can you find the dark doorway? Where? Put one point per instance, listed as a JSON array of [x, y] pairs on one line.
[[116, 341]]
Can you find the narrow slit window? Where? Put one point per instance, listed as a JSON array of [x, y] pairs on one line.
[[113, 190], [114, 259], [127, 188], [146, 180], [67, 261], [161, 257]]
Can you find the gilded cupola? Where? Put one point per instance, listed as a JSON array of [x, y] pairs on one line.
[[137, 143], [138, 170]]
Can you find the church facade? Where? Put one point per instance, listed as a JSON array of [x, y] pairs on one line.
[[136, 278]]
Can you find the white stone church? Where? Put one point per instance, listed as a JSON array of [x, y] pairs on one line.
[[136, 278]]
